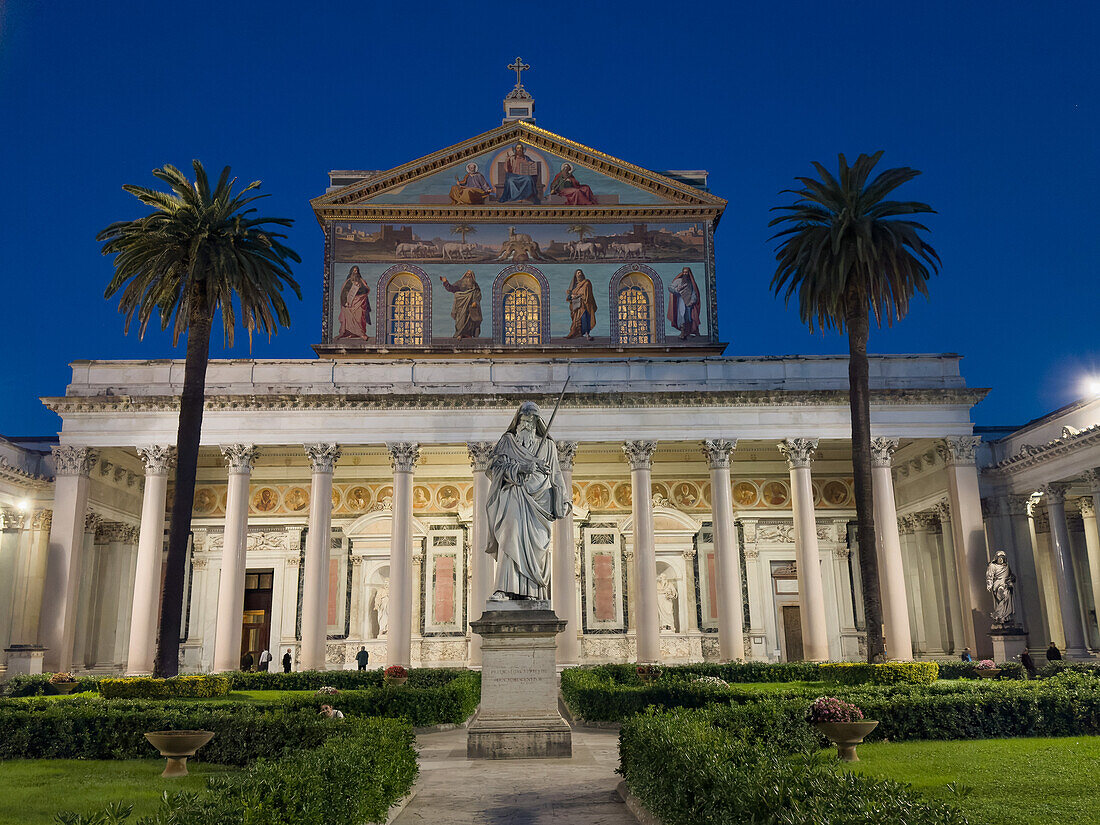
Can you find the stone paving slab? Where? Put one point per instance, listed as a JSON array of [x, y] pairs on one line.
[[454, 789]]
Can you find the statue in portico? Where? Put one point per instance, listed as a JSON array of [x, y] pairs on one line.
[[527, 494], [666, 600], [382, 609], [1001, 582]]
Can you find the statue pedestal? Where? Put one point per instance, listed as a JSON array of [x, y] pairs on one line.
[[1008, 643], [518, 717], [24, 660]]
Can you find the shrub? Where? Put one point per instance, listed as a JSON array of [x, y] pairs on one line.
[[198, 686], [1054, 668], [396, 672], [61, 678], [342, 679], [39, 685], [889, 673], [831, 709], [968, 670]]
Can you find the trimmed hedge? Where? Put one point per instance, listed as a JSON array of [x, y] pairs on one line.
[[717, 766], [969, 670], [888, 673], [39, 685], [198, 686], [353, 777], [342, 679]]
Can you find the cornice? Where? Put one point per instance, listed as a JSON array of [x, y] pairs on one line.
[[65, 405], [22, 478], [679, 193], [1032, 455]]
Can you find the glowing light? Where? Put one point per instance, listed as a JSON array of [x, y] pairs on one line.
[[1092, 386], [24, 505]]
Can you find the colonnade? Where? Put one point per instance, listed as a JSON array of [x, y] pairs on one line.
[[66, 547]]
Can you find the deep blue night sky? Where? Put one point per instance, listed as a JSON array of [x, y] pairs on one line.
[[995, 102]]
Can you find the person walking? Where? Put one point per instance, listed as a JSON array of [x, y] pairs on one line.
[[265, 660], [1053, 653], [1028, 663], [286, 662], [247, 661], [361, 658]]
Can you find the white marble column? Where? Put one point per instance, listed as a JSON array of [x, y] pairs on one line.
[[126, 536], [11, 530], [891, 573], [563, 580], [322, 460], [239, 458], [640, 456], [482, 565], [1069, 604], [933, 584], [143, 617], [727, 561], [1044, 569], [1011, 512], [403, 457], [57, 626], [799, 453], [1092, 545], [968, 530]]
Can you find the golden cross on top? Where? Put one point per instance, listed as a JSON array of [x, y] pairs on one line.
[[518, 67]]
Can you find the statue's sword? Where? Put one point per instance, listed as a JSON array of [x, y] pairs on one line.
[[550, 423]]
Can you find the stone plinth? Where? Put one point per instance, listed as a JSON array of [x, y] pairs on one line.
[[518, 717], [1008, 643], [24, 660]]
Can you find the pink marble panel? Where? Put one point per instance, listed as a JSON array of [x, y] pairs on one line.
[[712, 586], [603, 587], [444, 589], [333, 589]]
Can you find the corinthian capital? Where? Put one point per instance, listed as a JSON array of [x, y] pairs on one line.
[[11, 518], [1087, 507], [799, 452], [1053, 493], [73, 461], [323, 457], [1092, 479], [958, 449], [240, 458], [882, 451], [481, 455], [158, 460], [567, 452], [404, 456], [717, 452], [639, 454]]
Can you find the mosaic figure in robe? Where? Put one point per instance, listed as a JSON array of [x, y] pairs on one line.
[[520, 177], [354, 307], [684, 302], [467, 305], [582, 306], [473, 188], [527, 494]]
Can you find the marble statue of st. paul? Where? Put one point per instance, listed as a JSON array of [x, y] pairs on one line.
[[526, 495]]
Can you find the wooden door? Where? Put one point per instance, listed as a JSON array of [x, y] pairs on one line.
[[792, 632]]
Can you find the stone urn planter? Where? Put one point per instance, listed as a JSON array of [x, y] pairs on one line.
[[177, 745], [987, 672], [65, 688], [395, 680], [395, 675], [846, 735]]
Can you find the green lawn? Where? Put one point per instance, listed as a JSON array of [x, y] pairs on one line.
[[998, 781], [33, 790]]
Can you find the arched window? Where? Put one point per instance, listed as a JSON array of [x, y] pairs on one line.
[[405, 311], [636, 319], [634, 308], [522, 298]]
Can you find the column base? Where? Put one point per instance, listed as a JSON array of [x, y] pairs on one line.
[[518, 717], [1008, 644]]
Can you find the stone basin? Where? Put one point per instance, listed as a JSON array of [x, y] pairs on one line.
[[177, 745]]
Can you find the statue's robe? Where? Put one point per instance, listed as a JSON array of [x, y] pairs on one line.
[[582, 308], [521, 509]]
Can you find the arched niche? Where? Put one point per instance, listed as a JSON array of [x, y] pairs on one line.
[[521, 277], [391, 284], [645, 278]]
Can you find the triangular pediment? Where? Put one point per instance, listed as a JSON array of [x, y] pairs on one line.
[[487, 172]]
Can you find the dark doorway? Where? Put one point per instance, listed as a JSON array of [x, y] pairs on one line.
[[792, 632], [256, 622]]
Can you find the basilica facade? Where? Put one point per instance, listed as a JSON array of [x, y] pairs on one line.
[[340, 500]]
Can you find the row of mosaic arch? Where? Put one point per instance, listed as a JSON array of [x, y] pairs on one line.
[[595, 495]]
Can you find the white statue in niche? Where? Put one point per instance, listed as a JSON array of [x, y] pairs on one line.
[[526, 495], [666, 603], [382, 608]]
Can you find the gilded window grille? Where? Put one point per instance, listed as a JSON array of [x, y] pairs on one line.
[[521, 317], [635, 316], [406, 325]]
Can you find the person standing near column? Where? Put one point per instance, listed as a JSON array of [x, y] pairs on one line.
[[727, 561], [227, 642], [799, 453], [640, 456]]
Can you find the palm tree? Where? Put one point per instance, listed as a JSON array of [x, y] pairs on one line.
[[197, 250], [463, 229], [580, 230], [847, 254]]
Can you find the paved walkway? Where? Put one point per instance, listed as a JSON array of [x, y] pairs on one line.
[[454, 789]]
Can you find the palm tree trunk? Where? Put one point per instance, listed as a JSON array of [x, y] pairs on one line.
[[183, 498], [859, 396]]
